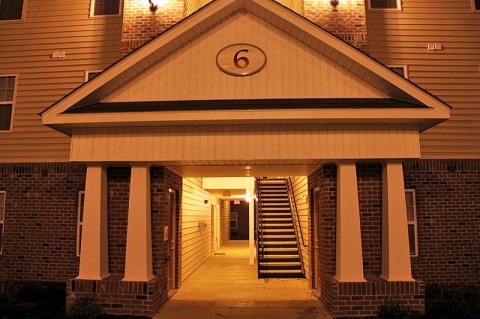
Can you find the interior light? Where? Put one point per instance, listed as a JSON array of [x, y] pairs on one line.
[[247, 196]]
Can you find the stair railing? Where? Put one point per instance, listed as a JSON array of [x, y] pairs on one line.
[[259, 228], [296, 220]]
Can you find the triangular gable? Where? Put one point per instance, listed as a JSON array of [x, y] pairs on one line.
[[292, 70], [351, 66]]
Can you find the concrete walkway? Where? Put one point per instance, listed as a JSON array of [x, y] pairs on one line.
[[225, 286]]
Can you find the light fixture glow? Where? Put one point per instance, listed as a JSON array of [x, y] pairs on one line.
[[247, 196]]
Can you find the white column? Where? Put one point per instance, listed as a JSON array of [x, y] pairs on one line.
[[251, 228], [349, 259], [138, 259], [395, 246], [94, 251]]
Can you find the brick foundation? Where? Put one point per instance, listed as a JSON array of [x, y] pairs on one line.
[[118, 297]]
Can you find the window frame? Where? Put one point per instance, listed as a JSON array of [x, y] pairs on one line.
[[2, 221], [414, 221], [92, 10], [88, 72], [236, 220], [404, 67], [80, 213], [22, 19], [474, 7], [398, 8], [13, 101]]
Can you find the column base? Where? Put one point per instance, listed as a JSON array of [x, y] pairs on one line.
[[119, 297], [363, 299]]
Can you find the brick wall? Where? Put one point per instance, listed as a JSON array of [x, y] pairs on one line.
[[348, 22], [40, 220], [357, 299], [118, 186], [140, 25], [448, 214], [134, 298], [369, 182]]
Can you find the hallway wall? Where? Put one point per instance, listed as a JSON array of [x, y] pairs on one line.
[[300, 188], [224, 222], [196, 225]]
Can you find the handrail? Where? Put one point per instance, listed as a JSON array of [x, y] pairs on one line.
[[293, 206], [260, 244]]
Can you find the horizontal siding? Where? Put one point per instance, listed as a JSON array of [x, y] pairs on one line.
[[452, 74], [224, 222], [293, 70], [259, 142], [196, 242], [300, 190], [25, 50]]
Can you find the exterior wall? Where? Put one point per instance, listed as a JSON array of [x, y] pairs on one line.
[[300, 190], [134, 298], [196, 225], [344, 299], [452, 74], [40, 220], [348, 22], [448, 217], [141, 25], [90, 43]]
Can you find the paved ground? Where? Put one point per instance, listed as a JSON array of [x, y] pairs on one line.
[[227, 287]]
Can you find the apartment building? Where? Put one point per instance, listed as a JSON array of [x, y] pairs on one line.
[[127, 126]]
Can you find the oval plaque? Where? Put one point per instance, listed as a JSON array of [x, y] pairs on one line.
[[241, 59]]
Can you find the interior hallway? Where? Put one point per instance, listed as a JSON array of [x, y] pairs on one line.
[[226, 286]]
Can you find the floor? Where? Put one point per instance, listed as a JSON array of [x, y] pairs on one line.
[[225, 286]]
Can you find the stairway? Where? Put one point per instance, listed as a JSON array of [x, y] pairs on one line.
[[278, 250]]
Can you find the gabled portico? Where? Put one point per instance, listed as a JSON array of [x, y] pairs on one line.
[[316, 100]]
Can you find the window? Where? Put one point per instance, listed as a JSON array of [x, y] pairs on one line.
[[91, 74], [384, 4], [412, 221], [401, 70], [476, 5], [105, 7], [2, 217], [233, 220], [81, 203], [7, 93], [11, 9]]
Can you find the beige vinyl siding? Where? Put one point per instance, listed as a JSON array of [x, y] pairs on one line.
[[203, 145], [300, 190], [224, 222], [26, 49], [293, 70], [453, 73], [196, 240]]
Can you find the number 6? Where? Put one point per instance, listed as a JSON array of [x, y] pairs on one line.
[[245, 60]]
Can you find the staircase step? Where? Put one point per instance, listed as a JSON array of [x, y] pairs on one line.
[[272, 231], [284, 243], [280, 263], [278, 227], [280, 250]]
